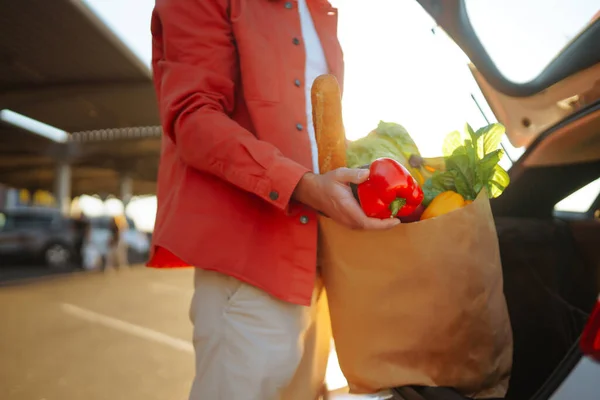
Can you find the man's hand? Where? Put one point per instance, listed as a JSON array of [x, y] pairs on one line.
[[330, 194]]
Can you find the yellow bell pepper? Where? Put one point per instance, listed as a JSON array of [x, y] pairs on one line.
[[443, 203]]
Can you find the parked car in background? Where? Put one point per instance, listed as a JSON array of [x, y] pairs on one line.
[[138, 244], [39, 235]]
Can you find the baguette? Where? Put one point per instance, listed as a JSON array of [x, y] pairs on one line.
[[327, 120]]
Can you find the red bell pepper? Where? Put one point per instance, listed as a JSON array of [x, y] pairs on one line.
[[390, 191]]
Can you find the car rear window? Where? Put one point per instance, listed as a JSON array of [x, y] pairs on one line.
[[25, 221], [523, 37]]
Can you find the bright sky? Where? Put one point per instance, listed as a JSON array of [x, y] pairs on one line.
[[397, 69]]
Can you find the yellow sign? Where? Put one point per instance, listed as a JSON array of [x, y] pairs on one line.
[[24, 196], [43, 198]]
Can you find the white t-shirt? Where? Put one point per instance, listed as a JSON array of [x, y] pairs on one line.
[[316, 65]]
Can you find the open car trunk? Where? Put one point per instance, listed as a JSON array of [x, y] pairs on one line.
[[551, 262], [550, 288]]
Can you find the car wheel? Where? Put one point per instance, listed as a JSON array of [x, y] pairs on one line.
[[57, 256]]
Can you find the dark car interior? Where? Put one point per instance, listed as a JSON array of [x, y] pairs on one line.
[[551, 266]]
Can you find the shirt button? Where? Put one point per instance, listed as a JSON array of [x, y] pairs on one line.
[[297, 82], [274, 195], [296, 41], [304, 220], [288, 5], [299, 127]]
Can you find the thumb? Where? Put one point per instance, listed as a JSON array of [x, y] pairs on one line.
[[351, 175]]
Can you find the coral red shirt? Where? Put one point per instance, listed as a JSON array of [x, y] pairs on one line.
[[229, 76]]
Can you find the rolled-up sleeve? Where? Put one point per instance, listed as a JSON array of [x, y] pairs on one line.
[[195, 66]]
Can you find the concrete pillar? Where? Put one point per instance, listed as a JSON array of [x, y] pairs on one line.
[[62, 187], [126, 188], [12, 198]]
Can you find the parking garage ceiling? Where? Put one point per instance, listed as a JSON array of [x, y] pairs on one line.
[[97, 158], [59, 64]]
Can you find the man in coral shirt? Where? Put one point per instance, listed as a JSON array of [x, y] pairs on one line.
[[238, 184]]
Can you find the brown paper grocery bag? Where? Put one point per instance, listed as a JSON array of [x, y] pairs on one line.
[[420, 304]]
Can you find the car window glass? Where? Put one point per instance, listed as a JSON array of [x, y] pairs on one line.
[[32, 221], [523, 37], [582, 200]]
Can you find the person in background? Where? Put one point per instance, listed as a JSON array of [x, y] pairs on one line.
[[81, 226], [239, 189], [117, 251]]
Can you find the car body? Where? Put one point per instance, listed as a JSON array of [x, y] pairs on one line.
[[38, 235], [550, 260]]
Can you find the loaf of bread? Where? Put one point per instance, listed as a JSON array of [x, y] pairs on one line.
[[329, 126]]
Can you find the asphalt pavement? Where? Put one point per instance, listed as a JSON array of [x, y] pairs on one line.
[[19, 274], [123, 334]]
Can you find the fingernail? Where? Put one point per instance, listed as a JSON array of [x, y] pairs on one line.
[[363, 174]]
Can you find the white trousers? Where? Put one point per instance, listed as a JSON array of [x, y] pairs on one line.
[[252, 346]]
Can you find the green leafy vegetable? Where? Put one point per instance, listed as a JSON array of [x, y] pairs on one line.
[[472, 161], [398, 136], [452, 141], [488, 164], [391, 140], [387, 140], [499, 181], [492, 137], [461, 167], [438, 183], [363, 151]]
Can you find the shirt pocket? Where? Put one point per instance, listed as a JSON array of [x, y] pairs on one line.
[[259, 66], [259, 56]]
